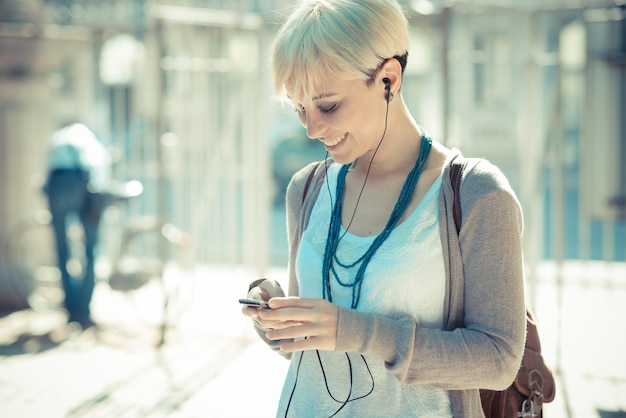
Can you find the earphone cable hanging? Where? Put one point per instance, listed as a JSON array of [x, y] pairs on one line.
[[367, 173]]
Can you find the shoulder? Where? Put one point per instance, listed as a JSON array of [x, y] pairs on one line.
[[486, 191], [478, 174], [483, 184], [482, 176], [299, 179], [303, 179]]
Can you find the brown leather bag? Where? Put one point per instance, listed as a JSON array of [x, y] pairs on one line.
[[534, 384]]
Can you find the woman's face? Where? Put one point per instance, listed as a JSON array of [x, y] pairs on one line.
[[347, 116]]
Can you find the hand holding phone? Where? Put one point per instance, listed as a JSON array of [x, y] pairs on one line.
[[255, 303]]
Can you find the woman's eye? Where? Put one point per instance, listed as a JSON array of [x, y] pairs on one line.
[[328, 109], [299, 109]]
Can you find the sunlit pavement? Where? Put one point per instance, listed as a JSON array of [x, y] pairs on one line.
[[213, 365], [586, 342]]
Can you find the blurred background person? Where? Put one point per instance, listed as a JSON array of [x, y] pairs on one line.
[[78, 172]]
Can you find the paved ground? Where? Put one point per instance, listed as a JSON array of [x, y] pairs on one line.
[[212, 365]]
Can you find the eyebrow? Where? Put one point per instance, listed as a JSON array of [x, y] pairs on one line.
[[323, 96], [318, 97]]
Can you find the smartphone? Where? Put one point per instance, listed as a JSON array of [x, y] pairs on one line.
[[256, 303]]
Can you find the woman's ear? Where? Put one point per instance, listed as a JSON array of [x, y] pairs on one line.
[[390, 76]]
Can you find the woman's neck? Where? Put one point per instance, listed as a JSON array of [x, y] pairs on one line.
[[398, 150]]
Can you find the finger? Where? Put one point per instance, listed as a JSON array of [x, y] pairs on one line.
[[281, 325], [295, 302], [269, 326], [288, 332], [294, 329], [311, 310], [250, 312]]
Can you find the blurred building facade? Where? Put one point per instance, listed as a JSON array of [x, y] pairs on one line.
[[181, 92]]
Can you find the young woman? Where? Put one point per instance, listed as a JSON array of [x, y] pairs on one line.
[[390, 312]]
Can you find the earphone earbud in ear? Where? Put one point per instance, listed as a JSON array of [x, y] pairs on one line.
[[388, 95]]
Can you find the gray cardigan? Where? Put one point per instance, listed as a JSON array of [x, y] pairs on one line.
[[482, 342]]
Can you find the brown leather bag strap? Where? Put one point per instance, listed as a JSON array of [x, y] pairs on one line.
[[457, 166]]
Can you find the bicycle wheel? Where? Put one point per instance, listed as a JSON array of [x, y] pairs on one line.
[[139, 272]]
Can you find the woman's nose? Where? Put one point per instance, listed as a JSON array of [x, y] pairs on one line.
[[314, 125]]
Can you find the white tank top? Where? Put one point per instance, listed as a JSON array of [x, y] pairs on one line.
[[406, 276]]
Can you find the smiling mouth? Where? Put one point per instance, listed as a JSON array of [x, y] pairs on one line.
[[336, 141]]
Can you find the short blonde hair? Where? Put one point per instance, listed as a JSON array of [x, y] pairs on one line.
[[349, 39]]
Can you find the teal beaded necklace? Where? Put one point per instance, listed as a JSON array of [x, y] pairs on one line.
[[330, 261]]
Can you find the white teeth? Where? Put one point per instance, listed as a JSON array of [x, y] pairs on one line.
[[336, 140]]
